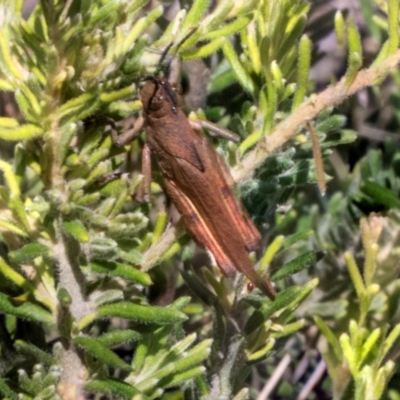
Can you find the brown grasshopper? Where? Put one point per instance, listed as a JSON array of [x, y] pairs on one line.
[[197, 181]]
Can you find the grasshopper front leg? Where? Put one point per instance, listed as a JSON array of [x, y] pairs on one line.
[[127, 137]]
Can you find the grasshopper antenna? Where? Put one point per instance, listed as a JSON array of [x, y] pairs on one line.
[[166, 69]]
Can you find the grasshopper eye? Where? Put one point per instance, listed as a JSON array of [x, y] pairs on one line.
[[157, 102]]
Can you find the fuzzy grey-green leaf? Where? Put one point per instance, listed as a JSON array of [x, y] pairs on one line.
[[26, 310], [306, 260], [114, 387], [119, 336], [77, 230], [141, 313], [101, 352], [28, 253], [122, 270]]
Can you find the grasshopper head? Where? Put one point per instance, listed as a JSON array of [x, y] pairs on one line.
[[159, 96]]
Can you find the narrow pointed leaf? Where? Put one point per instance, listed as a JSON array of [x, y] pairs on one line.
[[381, 195], [203, 51], [35, 352], [7, 392], [26, 310], [125, 271], [393, 14], [330, 337], [15, 277], [180, 378], [228, 29], [355, 52], [28, 253], [140, 313], [113, 387], [6, 58], [101, 352], [119, 336], [77, 230], [237, 67], [303, 69], [198, 8], [9, 226], [6, 86], [304, 261], [281, 301]]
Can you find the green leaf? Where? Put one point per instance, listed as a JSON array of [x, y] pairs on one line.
[[8, 122], [28, 253], [197, 10], [11, 179], [77, 106], [290, 40], [7, 392], [140, 313], [369, 345], [381, 195], [348, 352], [237, 67], [109, 296], [6, 58], [306, 260], [233, 27], [113, 387], [203, 51], [67, 132], [138, 29], [340, 29], [25, 107], [16, 277], [219, 13], [101, 352], [122, 270], [330, 337], [303, 69], [118, 94], [22, 132], [26, 310], [64, 297], [103, 12], [18, 209], [182, 377], [355, 53], [198, 288], [35, 352], [391, 339], [296, 237], [6, 86], [269, 254], [281, 301], [119, 336], [393, 14], [77, 230], [9, 226], [104, 248]]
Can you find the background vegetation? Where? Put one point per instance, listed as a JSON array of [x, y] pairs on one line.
[[102, 297]]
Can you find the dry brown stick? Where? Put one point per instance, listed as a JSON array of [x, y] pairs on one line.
[[285, 131]]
